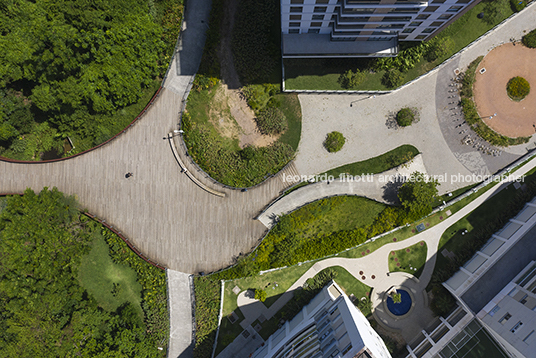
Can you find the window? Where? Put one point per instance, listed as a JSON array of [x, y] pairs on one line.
[[423, 17], [454, 8], [402, 37], [318, 17], [295, 17], [444, 17], [296, 1], [316, 24], [494, 310], [294, 24], [431, 8], [528, 336], [505, 318], [294, 31], [463, 1], [320, 9], [436, 23], [523, 299], [438, 1], [347, 349], [428, 30], [420, 37], [313, 31], [296, 9], [512, 292], [516, 327], [322, 1], [408, 31], [415, 23]]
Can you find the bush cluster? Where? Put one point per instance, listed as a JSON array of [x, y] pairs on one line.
[[404, 61], [207, 307], [529, 39], [518, 88], [405, 117], [439, 47], [260, 295], [473, 118], [271, 121], [334, 142], [350, 79], [393, 78]]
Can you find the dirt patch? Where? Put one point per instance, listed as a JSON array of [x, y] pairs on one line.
[[244, 117], [508, 117]]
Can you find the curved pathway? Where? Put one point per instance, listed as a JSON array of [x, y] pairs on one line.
[[380, 187], [376, 264]]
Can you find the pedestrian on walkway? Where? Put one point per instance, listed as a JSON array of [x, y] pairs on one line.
[[128, 175]]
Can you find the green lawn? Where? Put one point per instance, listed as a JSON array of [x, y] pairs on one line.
[[408, 259], [109, 283], [323, 74], [229, 331]]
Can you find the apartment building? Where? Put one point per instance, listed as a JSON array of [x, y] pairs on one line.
[[362, 28], [330, 326]]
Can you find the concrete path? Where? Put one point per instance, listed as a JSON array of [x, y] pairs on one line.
[[365, 123], [375, 187], [373, 270], [180, 314]]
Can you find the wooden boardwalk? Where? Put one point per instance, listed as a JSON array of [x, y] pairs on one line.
[[167, 216]]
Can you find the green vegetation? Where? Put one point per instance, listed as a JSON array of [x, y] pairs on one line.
[[473, 118], [350, 79], [44, 244], [529, 39], [214, 146], [417, 195], [410, 259], [393, 78], [334, 142], [518, 88], [207, 307], [397, 297], [260, 295], [379, 164], [78, 71], [412, 60], [406, 116], [518, 5]]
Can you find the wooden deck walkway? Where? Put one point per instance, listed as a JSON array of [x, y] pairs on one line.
[[166, 215]]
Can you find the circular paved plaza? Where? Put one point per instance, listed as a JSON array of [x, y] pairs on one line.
[[513, 119]]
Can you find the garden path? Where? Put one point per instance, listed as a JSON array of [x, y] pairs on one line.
[[373, 270]]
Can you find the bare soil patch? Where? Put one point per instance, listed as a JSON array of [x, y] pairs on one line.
[[244, 117], [513, 119]]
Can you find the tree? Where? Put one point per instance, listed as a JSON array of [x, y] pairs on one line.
[[334, 142], [350, 79], [417, 195], [397, 297], [495, 11], [393, 78], [439, 47]]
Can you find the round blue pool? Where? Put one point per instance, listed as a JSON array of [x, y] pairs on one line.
[[400, 309]]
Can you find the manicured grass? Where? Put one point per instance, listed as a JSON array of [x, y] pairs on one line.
[[377, 164], [352, 286], [290, 105], [323, 74], [109, 283], [283, 278], [408, 259]]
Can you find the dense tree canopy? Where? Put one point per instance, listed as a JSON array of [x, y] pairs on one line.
[[72, 64], [417, 195], [44, 311]]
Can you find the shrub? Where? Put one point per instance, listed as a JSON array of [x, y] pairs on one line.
[[260, 295], [405, 117], [272, 121], [439, 47], [393, 78], [351, 79], [334, 142], [518, 5], [529, 39], [397, 297], [495, 11], [518, 88]]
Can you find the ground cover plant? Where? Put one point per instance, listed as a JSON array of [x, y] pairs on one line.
[[413, 60], [47, 311], [472, 117], [216, 148], [334, 142], [529, 39], [518, 88], [77, 73], [409, 259]]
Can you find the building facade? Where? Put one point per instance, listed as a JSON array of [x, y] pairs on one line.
[[330, 326], [362, 28]]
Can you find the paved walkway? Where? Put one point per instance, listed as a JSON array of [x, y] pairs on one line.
[[374, 187], [377, 264], [368, 135], [180, 314]]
